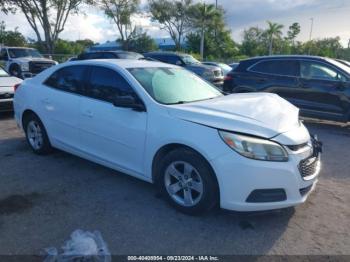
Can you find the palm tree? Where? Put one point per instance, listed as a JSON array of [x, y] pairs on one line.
[[202, 16], [274, 31]]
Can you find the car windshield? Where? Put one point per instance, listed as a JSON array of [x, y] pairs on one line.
[[189, 60], [23, 52], [174, 85], [3, 73], [340, 65], [130, 55]]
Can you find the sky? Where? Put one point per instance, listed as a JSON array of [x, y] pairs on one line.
[[331, 19]]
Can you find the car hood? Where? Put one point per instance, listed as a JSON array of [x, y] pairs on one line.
[[260, 114], [201, 68]]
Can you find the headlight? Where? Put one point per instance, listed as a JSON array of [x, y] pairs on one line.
[[255, 148], [208, 74], [25, 67]]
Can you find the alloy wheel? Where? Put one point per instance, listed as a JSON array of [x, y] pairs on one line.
[[183, 183]]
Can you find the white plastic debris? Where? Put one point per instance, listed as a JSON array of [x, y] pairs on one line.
[[83, 246]]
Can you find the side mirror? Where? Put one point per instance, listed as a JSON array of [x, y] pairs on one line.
[[179, 63], [129, 102]]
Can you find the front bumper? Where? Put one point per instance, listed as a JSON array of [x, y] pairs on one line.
[[239, 177]]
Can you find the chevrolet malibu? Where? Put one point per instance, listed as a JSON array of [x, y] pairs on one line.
[[165, 125]]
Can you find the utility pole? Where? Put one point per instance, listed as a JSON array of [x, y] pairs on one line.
[[216, 7], [310, 38]]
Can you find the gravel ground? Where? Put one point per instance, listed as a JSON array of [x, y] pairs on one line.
[[43, 199]]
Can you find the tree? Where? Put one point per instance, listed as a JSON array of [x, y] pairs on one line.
[[201, 17], [254, 42], [142, 43], [120, 12], [11, 38], [293, 32], [47, 16], [274, 31], [173, 17]]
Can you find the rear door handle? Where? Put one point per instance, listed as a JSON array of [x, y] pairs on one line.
[[88, 113]]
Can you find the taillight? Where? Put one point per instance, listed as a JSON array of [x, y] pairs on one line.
[[16, 87], [228, 77]]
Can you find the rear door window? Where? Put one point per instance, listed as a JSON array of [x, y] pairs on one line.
[[276, 67], [68, 79], [107, 84]]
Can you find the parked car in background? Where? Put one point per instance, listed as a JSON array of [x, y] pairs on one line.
[[224, 67], [343, 62], [233, 65], [7, 86], [319, 86], [24, 62], [210, 73], [109, 55], [164, 124]]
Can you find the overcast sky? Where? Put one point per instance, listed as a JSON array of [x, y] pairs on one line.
[[331, 18]]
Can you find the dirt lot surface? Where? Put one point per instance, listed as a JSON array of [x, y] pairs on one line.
[[43, 199]]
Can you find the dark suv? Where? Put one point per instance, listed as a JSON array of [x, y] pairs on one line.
[[210, 73], [109, 55], [319, 86]]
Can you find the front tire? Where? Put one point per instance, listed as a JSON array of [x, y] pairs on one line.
[[187, 181], [36, 135]]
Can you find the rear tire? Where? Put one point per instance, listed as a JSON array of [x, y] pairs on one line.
[[187, 181], [36, 135]]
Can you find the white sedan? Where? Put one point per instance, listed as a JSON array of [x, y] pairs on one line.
[[7, 85], [163, 124]]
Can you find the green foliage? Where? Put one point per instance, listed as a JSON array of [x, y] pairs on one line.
[[142, 43], [209, 37], [72, 48], [47, 18], [173, 16], [11, 38], [120, 12]]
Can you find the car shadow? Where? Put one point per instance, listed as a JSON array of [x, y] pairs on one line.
[[132, 217], [6, 115]]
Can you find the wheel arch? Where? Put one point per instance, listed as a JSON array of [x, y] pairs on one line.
[[26, 113], [165, 149]]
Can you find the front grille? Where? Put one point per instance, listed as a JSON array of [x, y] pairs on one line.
[[38, 67], [6, 96], [308, 166], [217, 73]]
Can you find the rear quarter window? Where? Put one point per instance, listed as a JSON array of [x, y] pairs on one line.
[[69, 79]]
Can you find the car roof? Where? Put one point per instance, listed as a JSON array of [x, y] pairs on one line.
[[109, 51], [284, 57], [164, 53], [123, 63]]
